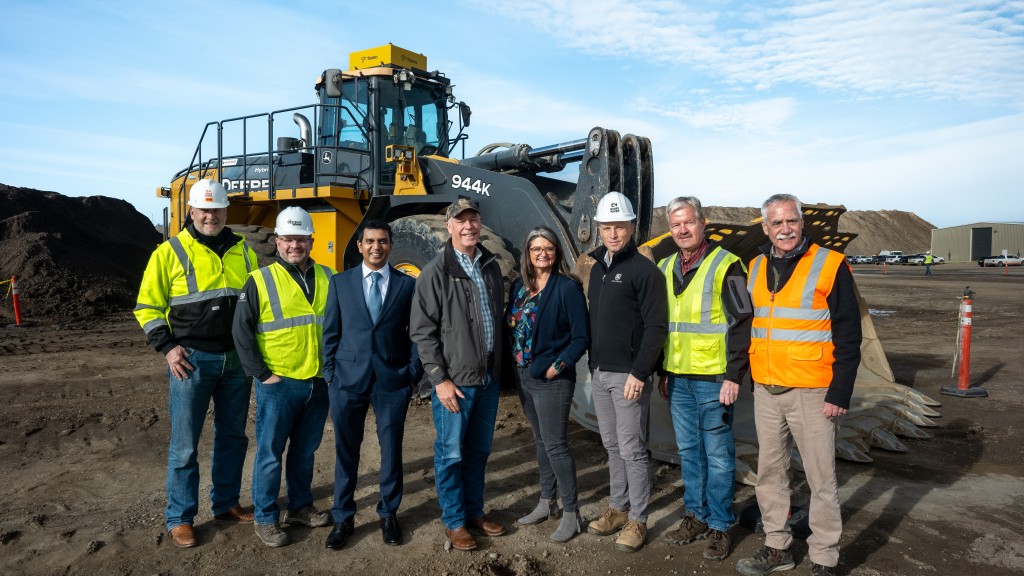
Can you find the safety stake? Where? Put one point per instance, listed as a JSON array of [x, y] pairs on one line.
[[963, 388]]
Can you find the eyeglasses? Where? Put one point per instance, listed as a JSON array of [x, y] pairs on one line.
[[546, 250]]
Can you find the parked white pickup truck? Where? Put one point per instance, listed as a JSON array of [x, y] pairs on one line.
[[1010, 260]]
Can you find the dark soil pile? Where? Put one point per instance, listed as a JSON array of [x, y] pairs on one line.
[[75, 257]]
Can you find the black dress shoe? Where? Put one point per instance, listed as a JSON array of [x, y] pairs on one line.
[[339, 535], [391, 531]]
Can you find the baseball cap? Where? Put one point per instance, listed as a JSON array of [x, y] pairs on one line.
[[460, 206]]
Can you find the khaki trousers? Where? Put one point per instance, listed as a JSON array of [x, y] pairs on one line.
[[781, 419]]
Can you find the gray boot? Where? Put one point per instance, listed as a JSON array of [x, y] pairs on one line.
[[545, 509], [569, 527]]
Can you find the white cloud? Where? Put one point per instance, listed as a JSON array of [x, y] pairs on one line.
[[942, 49], [760, 116], [511, 109], [948, 176]]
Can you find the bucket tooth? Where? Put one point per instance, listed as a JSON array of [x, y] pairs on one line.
[[851, 453]]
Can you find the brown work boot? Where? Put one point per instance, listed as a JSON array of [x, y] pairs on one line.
[[632, 537], [236, 514], [765, 561], [690, 529], [182, 536], [460, 538], [486, 526], [719, 545], [610, 522]]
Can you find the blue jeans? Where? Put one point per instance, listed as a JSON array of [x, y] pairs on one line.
[[547, 404], [703, 427], [217, 377], [461, 449], [291, 412]]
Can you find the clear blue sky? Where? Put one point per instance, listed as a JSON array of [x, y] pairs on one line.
[[903, 104]]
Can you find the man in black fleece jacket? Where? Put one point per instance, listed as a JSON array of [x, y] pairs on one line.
[[628, 324]]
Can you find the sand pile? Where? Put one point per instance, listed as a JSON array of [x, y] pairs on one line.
[[876, 229]]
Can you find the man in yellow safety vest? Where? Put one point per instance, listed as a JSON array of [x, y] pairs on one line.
[[278, 328], [185, 306], [705, 360]]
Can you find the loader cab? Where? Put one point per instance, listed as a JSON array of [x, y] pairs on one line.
[[364, 111]]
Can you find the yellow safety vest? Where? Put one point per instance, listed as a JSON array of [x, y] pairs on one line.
[[290, 328], [696, 320], [791, 335], [182, 272]]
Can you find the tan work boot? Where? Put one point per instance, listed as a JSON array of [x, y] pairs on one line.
[[610, 522], [632, 537]]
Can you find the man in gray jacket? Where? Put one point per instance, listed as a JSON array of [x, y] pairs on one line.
[[456, 325]]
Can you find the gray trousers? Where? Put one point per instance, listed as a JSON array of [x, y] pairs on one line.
[[623, 426], [547, 404]]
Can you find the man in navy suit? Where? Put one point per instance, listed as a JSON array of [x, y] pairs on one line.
[[369, 360]]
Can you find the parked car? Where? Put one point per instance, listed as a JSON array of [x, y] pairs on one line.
[[865, 259], [1001, 260], [918, 259]]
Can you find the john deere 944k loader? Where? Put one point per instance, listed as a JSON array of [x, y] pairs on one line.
[[380, 143]]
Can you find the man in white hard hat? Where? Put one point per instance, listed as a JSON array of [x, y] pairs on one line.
[[278, 328], [628, 324], [185, 306], [455, 324]]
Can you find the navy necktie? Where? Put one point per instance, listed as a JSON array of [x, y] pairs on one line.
[[374, 302]]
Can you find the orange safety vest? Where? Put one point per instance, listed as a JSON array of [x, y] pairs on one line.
[[791, 336]]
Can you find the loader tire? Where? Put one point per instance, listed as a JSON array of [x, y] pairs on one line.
[[416, 240], [261, 240]]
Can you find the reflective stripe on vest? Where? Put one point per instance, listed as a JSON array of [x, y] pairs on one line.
[[791, 336], [289, 329], [194, 295], [697, 323]]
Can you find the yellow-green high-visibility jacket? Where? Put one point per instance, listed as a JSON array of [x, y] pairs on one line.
[[290, 327], [697, 324], [188, 293]]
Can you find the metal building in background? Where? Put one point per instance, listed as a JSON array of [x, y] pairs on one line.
[[969, 242]]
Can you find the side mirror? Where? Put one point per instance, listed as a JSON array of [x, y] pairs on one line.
[[332, 82], [465, 112]]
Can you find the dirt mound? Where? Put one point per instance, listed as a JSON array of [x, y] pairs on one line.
[[876, 229], [75, 257], [886, 230]]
